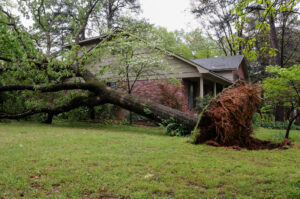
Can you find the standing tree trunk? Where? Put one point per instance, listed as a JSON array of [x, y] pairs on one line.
[[49, 118], [92, 113], [291, 121], [274, 40]]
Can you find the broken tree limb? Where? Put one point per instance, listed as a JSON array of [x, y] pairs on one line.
[[74, 103], [226, 121]]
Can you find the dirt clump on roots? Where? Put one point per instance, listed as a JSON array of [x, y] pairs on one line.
[[227, 120]]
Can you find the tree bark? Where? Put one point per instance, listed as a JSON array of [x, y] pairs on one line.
[[274, 40], [92, 113], [287, 133], [49, 118], [103, 94]]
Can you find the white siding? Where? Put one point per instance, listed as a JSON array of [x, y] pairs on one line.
[[226, 74]]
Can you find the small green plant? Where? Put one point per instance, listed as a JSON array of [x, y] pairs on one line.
[[174, 128], [278, 137], [203, 102]]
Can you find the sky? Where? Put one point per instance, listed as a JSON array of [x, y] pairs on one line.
[[172, 14]]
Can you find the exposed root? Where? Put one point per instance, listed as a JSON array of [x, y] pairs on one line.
[[227, 120]]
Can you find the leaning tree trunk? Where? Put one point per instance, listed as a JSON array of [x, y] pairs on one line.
[[149, 109]]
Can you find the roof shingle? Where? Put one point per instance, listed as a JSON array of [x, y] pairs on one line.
[[220, 63]]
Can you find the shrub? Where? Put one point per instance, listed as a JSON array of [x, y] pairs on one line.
[[203, 102], [268, 121], [174, 128], [169, 96]]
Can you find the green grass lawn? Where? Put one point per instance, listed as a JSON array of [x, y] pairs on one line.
[[77, 160]]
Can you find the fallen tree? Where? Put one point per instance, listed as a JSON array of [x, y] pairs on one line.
[[226, 121]]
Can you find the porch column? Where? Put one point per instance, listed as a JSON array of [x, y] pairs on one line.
[[201, 88], [215, 89]]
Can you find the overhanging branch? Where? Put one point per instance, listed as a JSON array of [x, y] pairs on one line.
[[54, 88], [74, 103]]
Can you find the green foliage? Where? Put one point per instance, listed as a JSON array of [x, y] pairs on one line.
[[268, 121], [283, 86], [134, 56], [260, 11], [103, 113], [278, 137], [175, 128], [190, 45], [203, 102]]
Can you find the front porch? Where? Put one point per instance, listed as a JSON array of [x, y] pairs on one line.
[[201, 86]]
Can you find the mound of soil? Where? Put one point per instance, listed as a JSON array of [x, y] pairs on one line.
[[227, 120]]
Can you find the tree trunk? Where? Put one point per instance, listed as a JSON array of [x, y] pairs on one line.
[[92, 113], [149, 109], [130, 118], [279, 113], [287, 133], [49, 118], [274, 40]]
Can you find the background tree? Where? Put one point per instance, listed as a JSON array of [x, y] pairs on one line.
[[191, 45], [200, 45], [135, 57], [263, 15], [113, 10], [218, 19], [267, 15], [284, 88]]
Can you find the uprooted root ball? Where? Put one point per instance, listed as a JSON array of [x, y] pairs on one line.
[[227, 120]]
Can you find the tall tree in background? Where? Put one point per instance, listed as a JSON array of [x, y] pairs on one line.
[[266, 15], [200, 45], [218, 19], [284, 87], [274, 20], [191, 45], [113, 13], [113, 9]]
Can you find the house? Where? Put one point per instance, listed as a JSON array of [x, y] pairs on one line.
[[230, 67], [197, 78]]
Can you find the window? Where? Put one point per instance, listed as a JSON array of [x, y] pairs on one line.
[[236, 77], [112, 85]]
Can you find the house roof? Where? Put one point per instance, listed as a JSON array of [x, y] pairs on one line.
[[220, 63], [198, 66]]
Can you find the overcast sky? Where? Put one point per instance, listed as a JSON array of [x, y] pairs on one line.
[[172, 14]]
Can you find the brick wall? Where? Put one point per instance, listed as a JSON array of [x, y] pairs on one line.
[[239, 72], [163, 93]]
